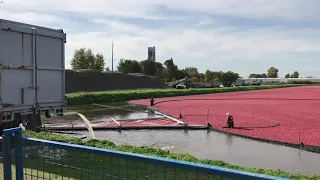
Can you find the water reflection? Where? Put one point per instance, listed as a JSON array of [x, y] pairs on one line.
[[229, 139], [151, 113], [136, 115], [185, 132]]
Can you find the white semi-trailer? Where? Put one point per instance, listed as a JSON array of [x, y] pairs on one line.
[[32, 74]]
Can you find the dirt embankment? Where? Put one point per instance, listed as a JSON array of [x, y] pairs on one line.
[[96, 81]]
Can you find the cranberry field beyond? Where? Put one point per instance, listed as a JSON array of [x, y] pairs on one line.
[[289, 115]]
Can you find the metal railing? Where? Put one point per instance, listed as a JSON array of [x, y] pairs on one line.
[[29, 158], [1, 163]]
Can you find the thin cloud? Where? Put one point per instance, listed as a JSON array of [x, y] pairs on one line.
[[200, 42]]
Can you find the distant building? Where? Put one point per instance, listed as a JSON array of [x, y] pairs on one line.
[[152, 53], [280, 80], [265, 80]]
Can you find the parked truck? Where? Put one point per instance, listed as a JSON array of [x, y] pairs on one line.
[[32, 74], [240, 82], [255, 83], [184, 83]]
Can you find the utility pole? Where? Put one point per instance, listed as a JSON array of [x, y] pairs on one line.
[[112, 56]]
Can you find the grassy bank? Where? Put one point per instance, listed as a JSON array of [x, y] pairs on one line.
[[159, 153], [117, 96]]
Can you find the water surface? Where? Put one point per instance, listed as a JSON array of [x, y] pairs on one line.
[[218, 146], [203, 144]]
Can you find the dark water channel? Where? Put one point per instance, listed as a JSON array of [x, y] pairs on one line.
[[205, 144]]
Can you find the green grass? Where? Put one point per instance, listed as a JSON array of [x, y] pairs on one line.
[[126, 95], [101, 166], [86, 161], [41, 174]]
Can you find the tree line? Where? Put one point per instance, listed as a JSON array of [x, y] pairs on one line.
[[294, 75], [169, 71], [85, 59], [273, 72]]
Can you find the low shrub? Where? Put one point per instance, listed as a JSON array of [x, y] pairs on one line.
[[116, 96], [303, 82]]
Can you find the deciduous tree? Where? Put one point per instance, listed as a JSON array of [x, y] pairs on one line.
[[288, 75], [263, 75], [272, 72], [129, 66], [85, 59], [149, 67], [172, 70], [255, 76], [295, 74], [230, 76]]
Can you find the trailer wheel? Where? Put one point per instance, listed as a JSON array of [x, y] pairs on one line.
[[33, 122], [38, 122], [29, 122]]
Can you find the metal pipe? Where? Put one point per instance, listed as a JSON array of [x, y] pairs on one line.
[[122, 108], [63, 74], [22, 96], [65, 114]]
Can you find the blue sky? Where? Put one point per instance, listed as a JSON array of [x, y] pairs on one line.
[[246, 36]]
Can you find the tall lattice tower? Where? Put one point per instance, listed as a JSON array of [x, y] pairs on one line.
[[152, 53]]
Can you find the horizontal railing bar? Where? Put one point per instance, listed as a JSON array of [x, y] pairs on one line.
[[214, 170], [12, 131]]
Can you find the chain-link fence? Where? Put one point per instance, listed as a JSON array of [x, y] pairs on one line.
[[50, 160], [46, 162]]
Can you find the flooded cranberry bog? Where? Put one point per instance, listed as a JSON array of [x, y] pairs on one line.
[[287, 115]]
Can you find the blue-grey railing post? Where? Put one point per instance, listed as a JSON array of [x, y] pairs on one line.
[[18, 155], [6, 146], [7, 134]]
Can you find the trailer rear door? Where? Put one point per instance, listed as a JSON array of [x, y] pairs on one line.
[[32, 66]]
